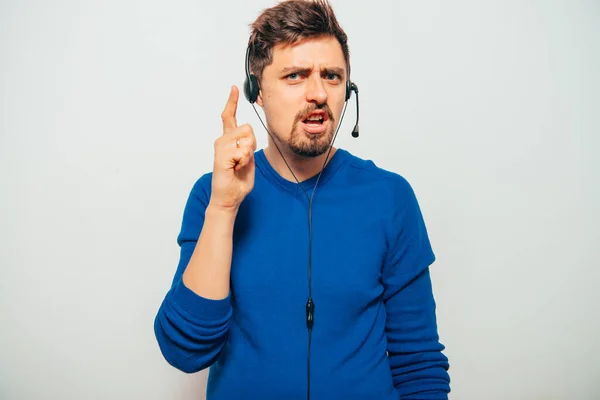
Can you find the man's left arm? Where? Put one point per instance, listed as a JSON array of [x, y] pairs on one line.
[[419, 368]]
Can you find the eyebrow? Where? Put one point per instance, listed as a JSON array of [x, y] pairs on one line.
[[334, 70]]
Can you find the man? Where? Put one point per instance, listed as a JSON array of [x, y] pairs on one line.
[[304, 270]]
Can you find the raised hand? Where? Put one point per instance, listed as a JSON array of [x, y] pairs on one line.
[[233, 169]]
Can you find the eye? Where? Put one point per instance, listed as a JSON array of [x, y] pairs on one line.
[[294, 76], [332, 76]]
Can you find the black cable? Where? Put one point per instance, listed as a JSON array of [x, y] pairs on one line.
[[309, 304]]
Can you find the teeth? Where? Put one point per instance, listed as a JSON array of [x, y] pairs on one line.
[[315, 118]]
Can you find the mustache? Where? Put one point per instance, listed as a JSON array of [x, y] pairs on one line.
[[303, 114]]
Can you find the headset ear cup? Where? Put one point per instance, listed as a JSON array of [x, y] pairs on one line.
[[251, 88], [348, 89]]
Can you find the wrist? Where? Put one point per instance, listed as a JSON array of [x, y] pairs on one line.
[[223, 211]]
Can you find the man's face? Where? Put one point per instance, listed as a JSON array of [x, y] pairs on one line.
[[303, 92]]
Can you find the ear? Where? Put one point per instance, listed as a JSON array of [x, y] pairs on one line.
[[259, 99]]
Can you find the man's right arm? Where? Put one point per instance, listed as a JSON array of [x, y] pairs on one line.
[[208, 272], [192, 322]]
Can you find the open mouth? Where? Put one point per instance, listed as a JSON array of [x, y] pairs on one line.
[[315, 122]]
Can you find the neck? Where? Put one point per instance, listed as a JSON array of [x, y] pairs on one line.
[[304, 167]]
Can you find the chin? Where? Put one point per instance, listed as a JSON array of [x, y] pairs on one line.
[[310, 152], [310, 145]]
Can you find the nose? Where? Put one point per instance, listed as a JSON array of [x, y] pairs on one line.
[[315, 90]]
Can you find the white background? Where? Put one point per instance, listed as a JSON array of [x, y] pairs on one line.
[[108, 113]]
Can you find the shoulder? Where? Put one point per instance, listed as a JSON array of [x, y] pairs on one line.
[[202, 187], [384, 182]]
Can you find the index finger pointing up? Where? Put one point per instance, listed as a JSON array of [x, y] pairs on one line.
[[228, 115]]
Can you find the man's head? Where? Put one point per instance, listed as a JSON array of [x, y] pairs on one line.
[[299, 53]]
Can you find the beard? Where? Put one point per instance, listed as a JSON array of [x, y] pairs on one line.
[[306, 145]]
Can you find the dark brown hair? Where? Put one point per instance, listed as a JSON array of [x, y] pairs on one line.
[[289, 22]]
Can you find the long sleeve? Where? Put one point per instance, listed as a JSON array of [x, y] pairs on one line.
[[419, 368], [191, 330]]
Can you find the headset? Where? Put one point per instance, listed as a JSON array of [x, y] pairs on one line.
[[251, 91]]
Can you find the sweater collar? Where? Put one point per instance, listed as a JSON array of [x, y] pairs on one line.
[[334, 163]]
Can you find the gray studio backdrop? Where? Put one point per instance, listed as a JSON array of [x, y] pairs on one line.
[[108, 113]]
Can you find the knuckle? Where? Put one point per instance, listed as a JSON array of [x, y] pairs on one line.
[[246, 129], [218, 144]]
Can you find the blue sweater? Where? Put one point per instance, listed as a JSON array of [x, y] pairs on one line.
[[375, 331]]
